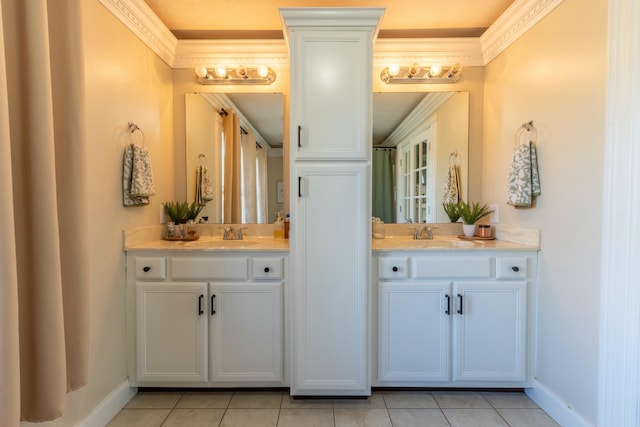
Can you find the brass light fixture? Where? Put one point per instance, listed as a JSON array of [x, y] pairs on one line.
[[240, 75], [434, 73]]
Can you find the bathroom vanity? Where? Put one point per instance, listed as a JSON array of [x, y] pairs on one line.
[[208, 313], [441, 313]]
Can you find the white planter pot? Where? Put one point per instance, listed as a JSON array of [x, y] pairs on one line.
[[469, 230]]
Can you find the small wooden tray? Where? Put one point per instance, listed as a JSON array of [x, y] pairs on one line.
[[183, 239], [463, 237]]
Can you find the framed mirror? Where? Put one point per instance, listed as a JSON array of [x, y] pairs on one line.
[[420, 154], [234, 155], [402, 121]]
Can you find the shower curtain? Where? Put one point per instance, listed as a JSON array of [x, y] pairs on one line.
[[232, 169], [44, 246], [382, 182], [248, 177]]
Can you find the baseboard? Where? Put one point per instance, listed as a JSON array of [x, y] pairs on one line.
[[109, 407], [553, 405]]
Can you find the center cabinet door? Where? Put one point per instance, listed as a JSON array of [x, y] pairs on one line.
[[331, 251]]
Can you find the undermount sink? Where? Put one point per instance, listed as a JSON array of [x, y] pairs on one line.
[[442, 242], [218, 242]]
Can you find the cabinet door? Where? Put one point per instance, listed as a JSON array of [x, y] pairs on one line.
[[331, 95], [414, 331], [489, 341], [245, 342], [171, 331], [330, 259]]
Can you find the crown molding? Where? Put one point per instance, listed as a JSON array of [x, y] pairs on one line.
[[472, 51], [250, 53], [419, 116], [512, 24], [464, 51], [140, 19]]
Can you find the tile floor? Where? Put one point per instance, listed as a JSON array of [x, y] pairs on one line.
[[384, 409]]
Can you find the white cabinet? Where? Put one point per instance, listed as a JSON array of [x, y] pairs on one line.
[[217, 320], [171, 330], [490, 321], [450, 320], [331, 91], [245, 339], [331, 51], [414, 331]]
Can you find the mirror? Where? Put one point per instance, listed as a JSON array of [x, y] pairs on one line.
[[401, 122], [420, 155], [243, 167]]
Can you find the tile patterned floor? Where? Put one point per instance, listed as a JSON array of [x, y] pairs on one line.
[[383, 409]]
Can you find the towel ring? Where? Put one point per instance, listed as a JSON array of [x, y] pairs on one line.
[[526, 127]]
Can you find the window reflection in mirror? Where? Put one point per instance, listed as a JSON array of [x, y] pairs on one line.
[[420, 152], [234, 155]]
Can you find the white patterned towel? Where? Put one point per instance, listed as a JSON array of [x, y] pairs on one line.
[[137, 176], [524, 181], [452, 186], [204, 188]]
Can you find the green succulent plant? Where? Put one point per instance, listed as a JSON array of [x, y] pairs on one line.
[[181, 212], [452, 210], [473, 212]]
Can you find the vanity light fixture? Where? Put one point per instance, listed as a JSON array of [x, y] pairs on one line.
[[434, 73], [240, 75]]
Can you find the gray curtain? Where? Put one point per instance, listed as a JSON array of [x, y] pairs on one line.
[[382, 171]]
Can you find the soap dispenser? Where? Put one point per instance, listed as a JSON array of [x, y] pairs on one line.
[[278, 231]]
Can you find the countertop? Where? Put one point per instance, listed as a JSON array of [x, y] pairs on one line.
[[259, 238]]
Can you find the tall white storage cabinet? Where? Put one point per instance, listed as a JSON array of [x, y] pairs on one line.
[[331, 53]]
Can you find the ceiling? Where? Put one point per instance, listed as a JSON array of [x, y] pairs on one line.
[[260, 19]]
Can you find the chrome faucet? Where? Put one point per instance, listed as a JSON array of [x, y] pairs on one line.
[[227, 233], [230, 235], [420, 234]]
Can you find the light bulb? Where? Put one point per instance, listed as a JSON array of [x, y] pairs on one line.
[[263, 70], [201, 71], [221, 71], [435, 70], [414, 69], [394, 69]]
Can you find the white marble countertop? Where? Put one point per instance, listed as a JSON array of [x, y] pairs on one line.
[[259, 238]]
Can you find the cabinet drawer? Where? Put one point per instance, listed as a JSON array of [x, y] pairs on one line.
[[209, 268], [393, 268], [511, 268], [148, 268], [452, 267], [266, 268]]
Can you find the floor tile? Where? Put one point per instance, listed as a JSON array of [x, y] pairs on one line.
[[289, 402], [373, 402], [474, 418], [527, 418], [411, 399], [205, 400], [417, 418], [154, 400], [361, 417], [460, 399], [139, 418], [194, 418], [256, 400], [250, 418], [509, 400], [306, 418]]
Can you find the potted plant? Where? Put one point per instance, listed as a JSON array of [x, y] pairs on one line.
[[470, 214], [452, 210]]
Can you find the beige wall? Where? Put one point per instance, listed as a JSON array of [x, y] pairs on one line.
[[555, 75], [125, 82]]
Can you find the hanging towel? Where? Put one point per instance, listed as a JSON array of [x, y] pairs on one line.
[[137, 176], [452, 185], [204, 189], [524, 181]]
